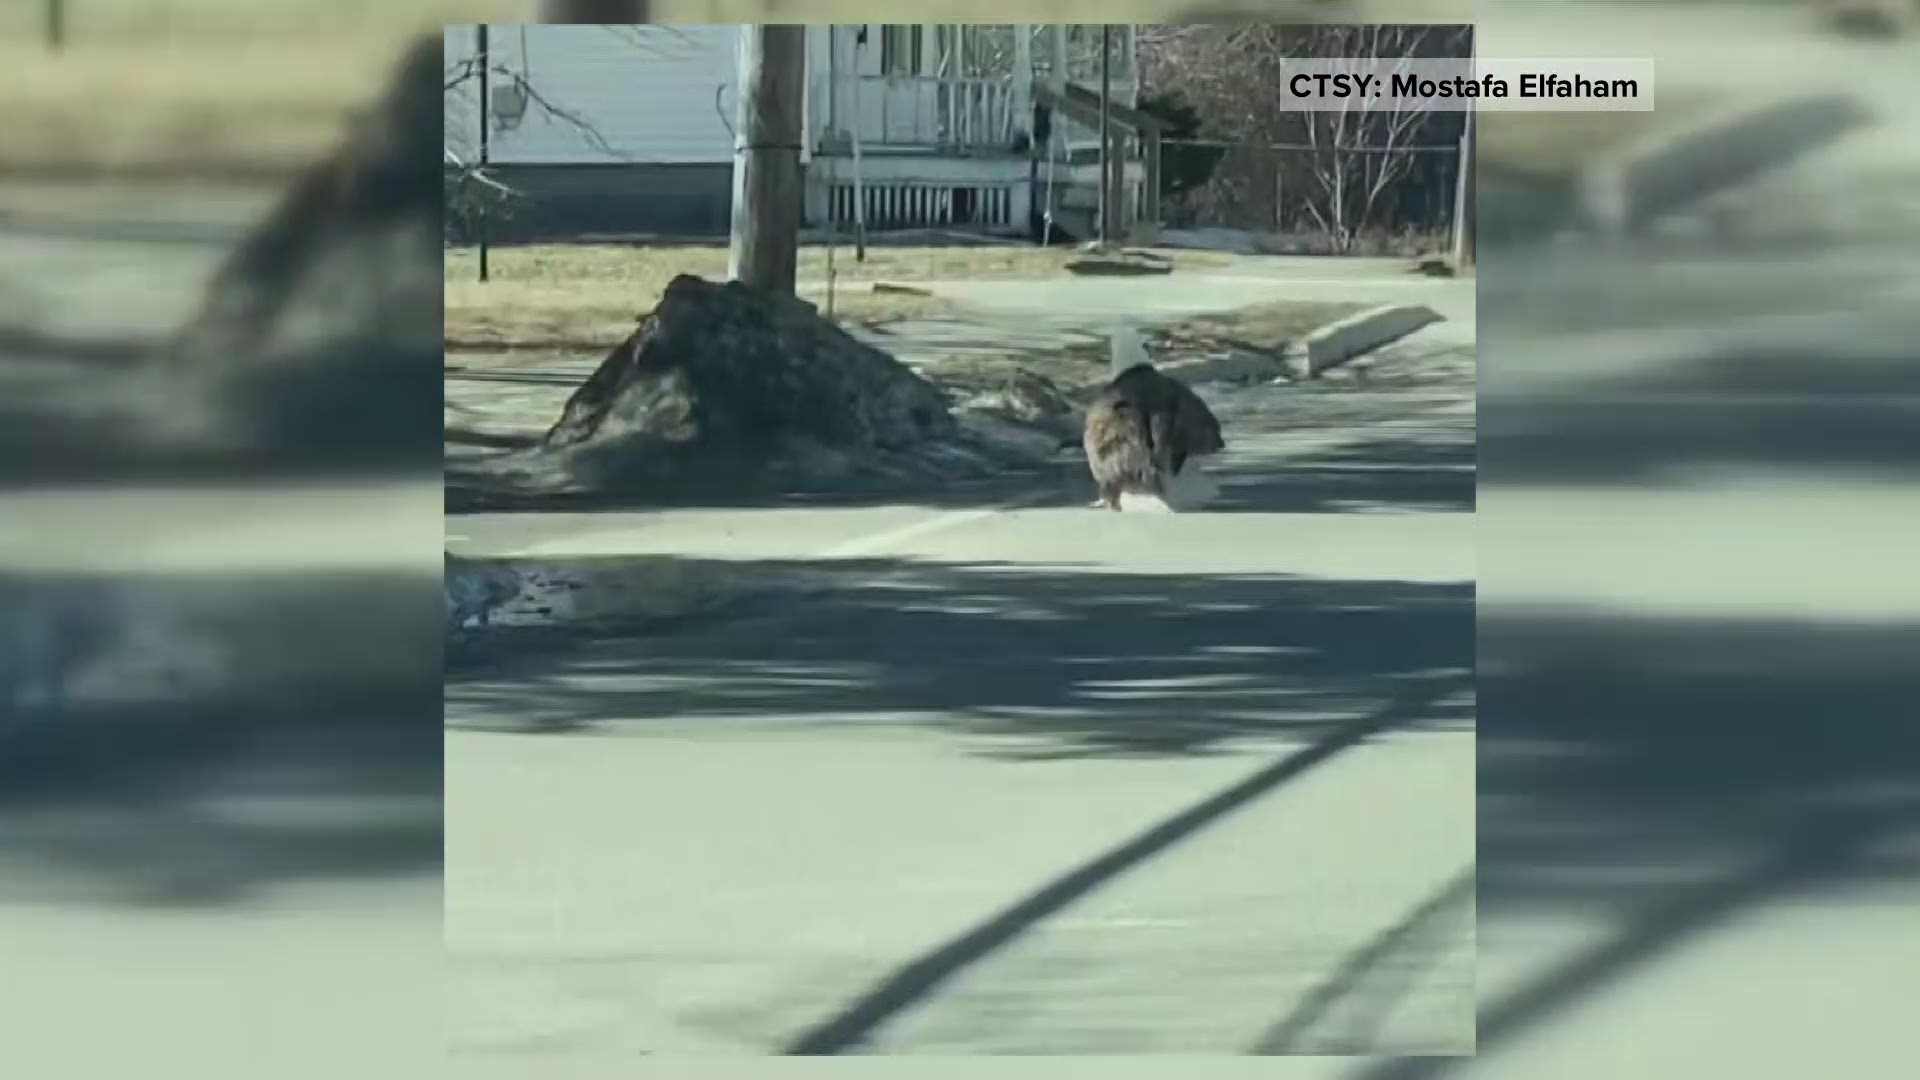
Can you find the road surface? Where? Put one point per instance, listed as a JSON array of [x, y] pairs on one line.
[[1024, 779]]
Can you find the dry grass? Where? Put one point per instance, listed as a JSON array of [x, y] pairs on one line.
[[586, 297], [569, 304], [1262, 329], [646, 264], [508, 317], [1078, 367]]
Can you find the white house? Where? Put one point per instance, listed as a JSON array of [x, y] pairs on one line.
[[629, 128]]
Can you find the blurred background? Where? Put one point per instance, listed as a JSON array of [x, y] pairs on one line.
[[1698, 773], [219, 647], [219, 534]]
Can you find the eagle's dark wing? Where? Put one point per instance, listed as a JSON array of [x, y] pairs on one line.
[[1199, 427], [1165, 442]]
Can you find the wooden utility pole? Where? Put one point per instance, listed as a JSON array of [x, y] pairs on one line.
[[486, 69], [1106, 138], [833, 137], [853, 126], [767, 185], [1464, 202]]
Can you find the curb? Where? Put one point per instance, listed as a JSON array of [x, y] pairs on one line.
[[1236, 367], [1668, 170], [1338, 342], [1320, 350]]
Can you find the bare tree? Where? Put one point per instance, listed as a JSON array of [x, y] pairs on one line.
[[1338, 168], [1230, 73], [986, 51], [472, 189], [1361, 148]]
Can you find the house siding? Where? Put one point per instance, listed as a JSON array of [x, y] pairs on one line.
[[662, 99], [653, 94], [667, 94], [570, 202]]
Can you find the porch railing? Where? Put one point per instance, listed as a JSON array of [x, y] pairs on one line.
[[946, 114]]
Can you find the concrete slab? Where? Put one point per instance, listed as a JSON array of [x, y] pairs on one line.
[[1123, 265], [1232, 367], [1356, 335]]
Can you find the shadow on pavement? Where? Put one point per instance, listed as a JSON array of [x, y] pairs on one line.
[[1369, 475], [1374, 978], [1028, 663], [923, 977], [1673, 775]]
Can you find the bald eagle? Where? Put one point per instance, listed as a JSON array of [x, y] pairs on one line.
[[1145, 426]]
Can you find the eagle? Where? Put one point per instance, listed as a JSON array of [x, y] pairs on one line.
[[1144, 426]]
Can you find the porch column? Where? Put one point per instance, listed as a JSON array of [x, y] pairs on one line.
[[958, 100], [831, 76], [1022, 104], [1020, 207], [1151, 212], [927, 35]]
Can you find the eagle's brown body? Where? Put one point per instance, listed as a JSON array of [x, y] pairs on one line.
[[1142, 430]]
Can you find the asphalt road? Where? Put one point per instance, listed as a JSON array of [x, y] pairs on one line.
[[1026, 779]]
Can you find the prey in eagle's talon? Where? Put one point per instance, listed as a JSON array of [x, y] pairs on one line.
[[1144, 427]]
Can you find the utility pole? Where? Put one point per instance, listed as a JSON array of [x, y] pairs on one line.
[[486, 67], [767, 190], [56, 25], [1106, 138], [859, 185], [833, 138], [1464, 202]]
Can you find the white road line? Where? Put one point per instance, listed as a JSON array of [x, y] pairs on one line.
[[880, 541]]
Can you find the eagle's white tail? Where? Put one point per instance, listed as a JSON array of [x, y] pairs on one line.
[[1126, 351], [1188, 490]]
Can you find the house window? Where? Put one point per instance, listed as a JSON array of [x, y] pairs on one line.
[[900, 50]]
